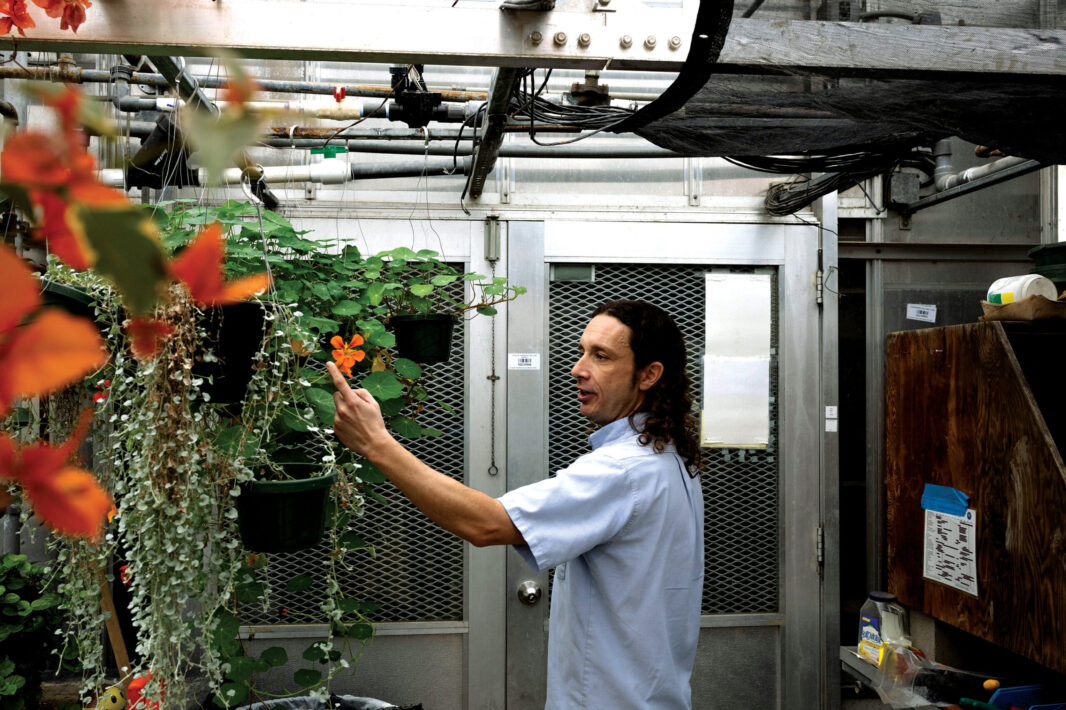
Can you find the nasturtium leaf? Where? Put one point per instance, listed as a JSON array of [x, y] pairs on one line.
[[486, 310], [381, 339], [422, 290], [426, 431], [250, 593], [405, 427], [374, 292], [346, 308], [241, 668], [380, 499], [231, 694], [443, 279], [447, 407], [351, 541], [294, 421], [382, 385], [322, 325], [228, 439], [370, 473], [407, 368], [473, 277], [299, 583], [274, 656], [320, 290], [361, 631], [323, 403], [392, 407], [127, 252], [315, 652], [217, 139]]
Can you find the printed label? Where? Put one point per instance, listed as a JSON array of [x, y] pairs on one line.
[[922, 312], [523, 361]]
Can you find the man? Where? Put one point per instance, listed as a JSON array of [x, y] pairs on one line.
[[622, 525]]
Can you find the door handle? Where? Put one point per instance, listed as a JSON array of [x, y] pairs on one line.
[[529, 592]]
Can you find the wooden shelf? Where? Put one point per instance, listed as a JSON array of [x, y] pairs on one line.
[[979, 408]]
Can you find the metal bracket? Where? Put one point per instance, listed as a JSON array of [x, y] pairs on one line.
[[819, 287], [492, 237], [820, 548]]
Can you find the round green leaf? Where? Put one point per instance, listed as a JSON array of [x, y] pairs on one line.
[[422, 290], [346, 308], [405, 427], [443, 279], [306, 677], [241, 668], [382, 385], [361, 631], [274, 656], [232, 694], [299, 583], [351, 541], [407, 368]]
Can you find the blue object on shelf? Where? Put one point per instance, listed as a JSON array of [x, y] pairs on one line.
[[1050, 706], [1020, 696]]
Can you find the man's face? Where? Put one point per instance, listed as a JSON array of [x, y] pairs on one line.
[[607, 382]]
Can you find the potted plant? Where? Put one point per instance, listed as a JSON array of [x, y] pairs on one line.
[[422, 297]]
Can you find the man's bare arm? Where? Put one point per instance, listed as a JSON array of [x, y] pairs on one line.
[[468, 513]]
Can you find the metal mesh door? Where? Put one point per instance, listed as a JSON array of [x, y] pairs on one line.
[[417, 573], [740, 487]]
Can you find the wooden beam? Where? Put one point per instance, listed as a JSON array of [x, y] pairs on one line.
[[481, 34]]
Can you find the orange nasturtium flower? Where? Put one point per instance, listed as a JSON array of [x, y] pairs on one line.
[[16, 16], [72, 12], [199, 267], [346, 354], [146, 336]]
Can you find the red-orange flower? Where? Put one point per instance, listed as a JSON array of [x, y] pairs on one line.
[[239, 90], [66, 498], [146, 335], [345, 354], [17, 17], [72, 11], [199, 267], [48, 353]]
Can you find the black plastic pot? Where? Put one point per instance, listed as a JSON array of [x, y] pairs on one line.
[[234, 333], [283, 516], [424, 337], [72, 299]]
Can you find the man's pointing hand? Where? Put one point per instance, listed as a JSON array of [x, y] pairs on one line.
[[357, 423]]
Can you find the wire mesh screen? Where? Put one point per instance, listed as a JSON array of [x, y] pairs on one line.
[[417, 571], [740, 487]]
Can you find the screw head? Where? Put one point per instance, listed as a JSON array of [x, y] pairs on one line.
[[625, 42], [584, 39], [675, 42], [536, 37], [560, 38], [650, 42]]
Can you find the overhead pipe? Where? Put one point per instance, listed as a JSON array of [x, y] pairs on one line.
[[330, 171], [945, 177], [951, 184]]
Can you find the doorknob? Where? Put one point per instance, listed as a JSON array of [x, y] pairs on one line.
[[529, 592]]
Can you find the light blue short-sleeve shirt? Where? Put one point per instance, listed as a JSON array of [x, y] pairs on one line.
[[623, 528]]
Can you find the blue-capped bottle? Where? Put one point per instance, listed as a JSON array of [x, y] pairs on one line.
[[881, 620]]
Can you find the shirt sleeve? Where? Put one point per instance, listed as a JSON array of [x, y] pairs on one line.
[[564, 517]]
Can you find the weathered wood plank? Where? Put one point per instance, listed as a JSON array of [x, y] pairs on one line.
[[961, 413], [482, 35]]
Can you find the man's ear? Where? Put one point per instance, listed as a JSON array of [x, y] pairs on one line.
[[649, 375]]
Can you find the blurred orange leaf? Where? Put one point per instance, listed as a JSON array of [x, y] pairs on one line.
[[68, 499], [49, 353], [21, 289], [146, 336], [199, 267], [35, 159]]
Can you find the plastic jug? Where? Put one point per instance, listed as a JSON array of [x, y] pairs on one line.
[[881, 620]]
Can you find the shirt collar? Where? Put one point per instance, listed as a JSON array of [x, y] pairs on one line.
[[618, 429]]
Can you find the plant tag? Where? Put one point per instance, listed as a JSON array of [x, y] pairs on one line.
[[523, 361], [922, 312]]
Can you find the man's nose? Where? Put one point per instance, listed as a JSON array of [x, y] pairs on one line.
[[579, 368]]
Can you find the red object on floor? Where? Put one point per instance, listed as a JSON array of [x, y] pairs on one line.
[[134, 692]]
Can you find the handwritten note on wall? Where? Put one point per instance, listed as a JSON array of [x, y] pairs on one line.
[[950, 555]]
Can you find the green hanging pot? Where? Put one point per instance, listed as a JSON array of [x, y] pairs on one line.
[[424, 337], [72, 299], [283, 516]]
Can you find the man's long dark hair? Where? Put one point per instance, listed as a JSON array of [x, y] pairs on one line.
[[668, 404]]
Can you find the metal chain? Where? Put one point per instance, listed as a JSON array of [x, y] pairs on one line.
[[494, 470]]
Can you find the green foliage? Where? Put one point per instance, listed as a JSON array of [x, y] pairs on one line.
[[29, 618], [403, 281]]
